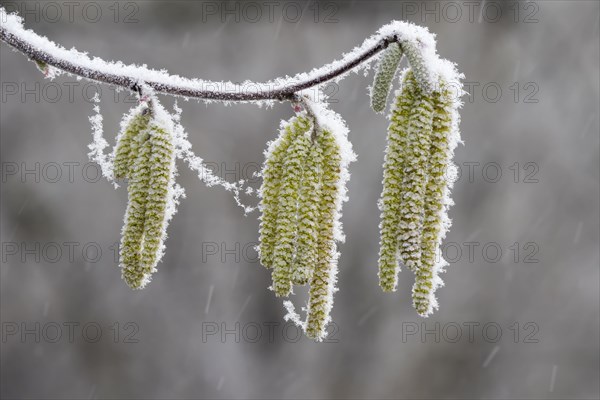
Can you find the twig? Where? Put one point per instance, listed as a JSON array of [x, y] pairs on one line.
[[133, 77]]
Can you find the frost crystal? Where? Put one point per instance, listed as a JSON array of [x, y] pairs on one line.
[[183, 151], [98, 145]]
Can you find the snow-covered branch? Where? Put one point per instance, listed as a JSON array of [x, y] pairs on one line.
[[417, 43], [306, 167]]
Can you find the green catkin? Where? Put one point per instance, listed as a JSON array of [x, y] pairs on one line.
[[386, 71], [269, 191], [437, 186], [133, 231], [287, 214], [308, 213], [161, 166], [42, 66], [414, 180], [126, 150], [418, 66], [149, 185], [393, 168], [322, 282]]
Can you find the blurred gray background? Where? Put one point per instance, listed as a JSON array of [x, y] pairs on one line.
[[524, 300]]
